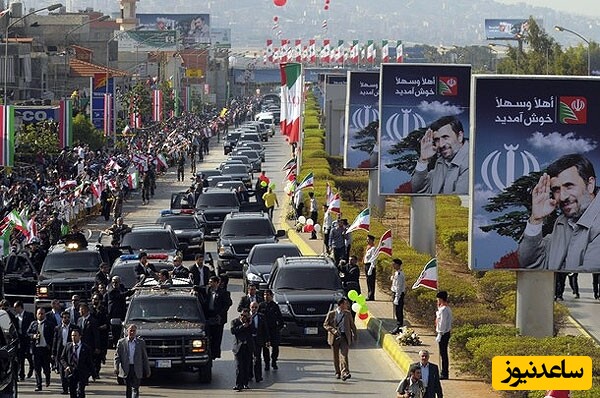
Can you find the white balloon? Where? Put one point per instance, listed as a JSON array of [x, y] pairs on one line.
[[355, 307], [310, 221], [302, 220], [317, 228]]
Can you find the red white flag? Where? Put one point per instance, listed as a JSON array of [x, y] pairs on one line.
[[298, 51], [335, 204], [325, 52], [270, 50], [385, 244]]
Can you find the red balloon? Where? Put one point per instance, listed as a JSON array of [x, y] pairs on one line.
[[279, 3], [326, 1], [326, 7], [275, 18], [363, 316]]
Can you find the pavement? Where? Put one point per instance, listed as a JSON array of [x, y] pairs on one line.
[[381, 320]]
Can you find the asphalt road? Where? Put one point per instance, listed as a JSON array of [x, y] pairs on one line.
[[302, 369]]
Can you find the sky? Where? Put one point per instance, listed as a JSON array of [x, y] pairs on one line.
[[590, 8]]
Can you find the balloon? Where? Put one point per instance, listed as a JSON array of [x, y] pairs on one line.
[[279, 3], [317, 228], [363, 316], [310, 221], [352, 295], [302, 220], [361, 299], [308, 228], [355, 307], [263, 184], [275, 18], [363, 309], [272, 185], [326, 7], [326, 1]]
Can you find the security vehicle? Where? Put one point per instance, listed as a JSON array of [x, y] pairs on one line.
[[256, 269], [188, 228], [153, 238], [124, 267], [9, 357]]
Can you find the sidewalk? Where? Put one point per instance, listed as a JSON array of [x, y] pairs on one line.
[[381, 320]]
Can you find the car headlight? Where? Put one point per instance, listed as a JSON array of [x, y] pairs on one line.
[[43, 291], [197, 343], [285, 310], [225, 250], [254, 277]]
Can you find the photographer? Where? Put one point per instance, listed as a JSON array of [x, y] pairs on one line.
[[412, 386]]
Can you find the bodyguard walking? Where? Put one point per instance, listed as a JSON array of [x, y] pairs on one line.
[[131, 361], [398, 288]]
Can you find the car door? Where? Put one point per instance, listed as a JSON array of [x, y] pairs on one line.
[[20, 278]]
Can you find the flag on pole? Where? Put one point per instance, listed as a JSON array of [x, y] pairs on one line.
[[5, 240], [157, 105], [362, 221], [290, 163], [385, 51], [108, 112], [176, 102], [65, 124], [7, 143], [399, 52], [429, 276], [335, 204], [284, 50], [312, 51], [292, 84], [132, 179], [339, 52], [15, 219], [328, 193], [370, 51], [298, 50], [307, 182], [290, 174], [385, 244], [324, 55], [354, 52], [187, 102], [269, 51]]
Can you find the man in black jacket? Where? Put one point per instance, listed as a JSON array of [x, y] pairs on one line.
[[117, 306], [90, 332], [76, 360], [215, 303], [199, 272], [41, 334], [24, 319], [274, 319], [62, 336], [249, 298], [261, 340], [242, 329], [430, 376]]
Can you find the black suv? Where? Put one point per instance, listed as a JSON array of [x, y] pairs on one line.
[[214, 204], [9, 351], [306, 289], [239, 234], [153, 238], [257, 267], [188, 228], [171, 322]]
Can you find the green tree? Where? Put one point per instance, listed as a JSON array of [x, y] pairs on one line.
[[32, 139], [139, 98], [367, 138], [84, 132]]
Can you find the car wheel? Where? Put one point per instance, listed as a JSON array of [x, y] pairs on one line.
[[205, 373]]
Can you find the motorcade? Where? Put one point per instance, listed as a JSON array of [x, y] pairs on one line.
[[256, 268]]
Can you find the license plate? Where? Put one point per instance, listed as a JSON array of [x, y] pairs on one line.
[[163, 363], [311, 330]]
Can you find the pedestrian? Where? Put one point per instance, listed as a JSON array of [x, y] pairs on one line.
[[274, 319], [76, 360], [313, 207], [214, 303], [199, 272], [430, 376], [398, 288], [118, 203], [41, 335], [100, 313], [269, 199], [260, 338], [180, 167], [341, 333], [370, 267], [131, 361], [347, 239], [574, 283], [351, 275], [62, 336], [105, 203], [299, 202], [102, 277], [145, 188], [337, 243], [560, 278], [24, 319], [249, 298], [443, 327], [242, 330], [327, 223], [73, 309], [596, 285], [90, 333], [117, 306], [412, 386]]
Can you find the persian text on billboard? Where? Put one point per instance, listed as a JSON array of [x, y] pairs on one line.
[[505, 29]]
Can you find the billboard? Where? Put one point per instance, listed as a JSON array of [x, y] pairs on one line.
[[35, 114], [334, 111], [506, 29], [147, 40], [362, 120], [535, 149], [101, 84], [220, 37], [423, 138], [193, 29]]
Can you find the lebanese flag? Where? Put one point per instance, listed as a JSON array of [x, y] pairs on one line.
[[290, 163], [270, 50], [307, 182], [298, 51], [96, 189], [292, 89], [429, 276], [328, 193], [67, 184], [385, 51], [335, 204], [370, 51], [325, 52], [290, 174], [362, 221], [157, 105], [385, 244], [284, 50], [33, 229], [312, 51]]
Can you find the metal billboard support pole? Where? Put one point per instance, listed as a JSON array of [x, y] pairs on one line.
[[422, 224], [535, 303]]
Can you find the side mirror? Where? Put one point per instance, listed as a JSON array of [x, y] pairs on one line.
[[280, 233]]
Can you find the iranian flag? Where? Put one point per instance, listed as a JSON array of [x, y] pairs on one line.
[[7, 143], [399, 52], [328, 193], [354, 52], [157, 105], [385, 244], [132, 179], [429, 276], [292, 85], [18, 222], [335, 204], [5, 241], [307, 182], [385, 51], [370, 51], [362, 221], [65, 124], [339, 52]]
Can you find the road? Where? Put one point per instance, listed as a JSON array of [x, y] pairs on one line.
[[302, 369], [584, 309]]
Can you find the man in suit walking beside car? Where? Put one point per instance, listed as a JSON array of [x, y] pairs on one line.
[[76, 360], [131, 361], [430, 376]]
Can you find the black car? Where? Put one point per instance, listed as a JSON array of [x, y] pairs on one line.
[[9, 356], [20, 277], [256, 268], [237, 172], [153, 238], [254, 157], [214, 204], [230, 141], [239, 233], [171, 322], [188, 228], [124, 267], [306, 289]]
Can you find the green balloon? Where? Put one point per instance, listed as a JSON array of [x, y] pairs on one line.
[[263, 184], [363, 309], [361, 299], [272, 185], [353, 295]]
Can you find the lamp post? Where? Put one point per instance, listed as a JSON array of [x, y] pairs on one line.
[[563, 29], [10, 25]]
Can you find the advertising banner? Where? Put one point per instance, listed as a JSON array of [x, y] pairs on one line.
[[534, 185], [193, 29], [506, 29], [362, 120], [334, 110], [220, 37], [423, 139], [35, 114], [101, 85], [147, 40]]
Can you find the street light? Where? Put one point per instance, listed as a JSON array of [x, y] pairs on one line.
[[49, 8], [563, 29]]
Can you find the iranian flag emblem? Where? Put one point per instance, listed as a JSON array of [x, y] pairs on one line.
[[572, 110], [448, 86], [292, 95]]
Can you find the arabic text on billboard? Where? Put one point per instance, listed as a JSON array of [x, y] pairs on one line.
[[147, 40], [220, 37], [194, 29], [505, 29]]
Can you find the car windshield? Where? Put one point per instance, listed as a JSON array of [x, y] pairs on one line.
[[168, 308], [268, 255], [233, 136], [251, 154], [87, 261], [225, 199], [235, 169], [179, 222], [307, 278], [248, 227], [243, 159], [151, 240]]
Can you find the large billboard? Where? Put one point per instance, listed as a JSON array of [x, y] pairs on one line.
[[362, 120], [334, 110], [147, 40], [101, 84], [423, 138], [220, 37], [506, 29], [534, 185], [193, 29]]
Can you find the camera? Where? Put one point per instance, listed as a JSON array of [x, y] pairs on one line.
[[411, 394]]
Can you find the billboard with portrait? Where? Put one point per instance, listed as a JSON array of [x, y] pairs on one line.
[[220, 37], [362, 120], [146, 40], [423, 138], [534, 185], [193, 29], [506, 29]]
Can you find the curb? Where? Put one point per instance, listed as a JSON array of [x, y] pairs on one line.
[[296, 239]]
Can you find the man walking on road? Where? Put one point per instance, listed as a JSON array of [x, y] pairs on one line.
[[131, 361], [430, 376], [341, 334], [443, 326]]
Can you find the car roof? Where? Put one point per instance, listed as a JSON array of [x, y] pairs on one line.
[[247, 214], [62, 248], [270, 245], [316, 261]]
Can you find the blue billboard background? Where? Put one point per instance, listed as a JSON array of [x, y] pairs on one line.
[[99, 88], [412, 96], [521, 125]]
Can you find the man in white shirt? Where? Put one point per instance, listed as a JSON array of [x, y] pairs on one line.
[[398, 288], [443, 326], [370, 267]]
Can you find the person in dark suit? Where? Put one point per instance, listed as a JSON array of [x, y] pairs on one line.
[[144, 267], [74, 309], [199, 272], [341, 333], [430, 376], [249, 298], [62, 336], [274, 319], [100, 313], [41, 335], [242, 329], [179, 270], [24, 319], [261, 340], [102, 277], [90, 332], [76, 361], [215, 304], [117, 306], [132, 368], [54, 315]]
